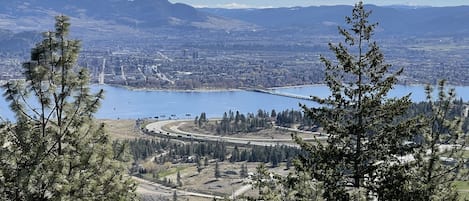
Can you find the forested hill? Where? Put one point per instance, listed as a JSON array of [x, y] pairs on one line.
[[324, 19], [123, 16], [10, 41], [157, 10], [147, 12]]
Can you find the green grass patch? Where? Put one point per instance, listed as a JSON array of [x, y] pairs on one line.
[[463, 189], [163, 173], [171, 171], [148, 176], [461, 185]]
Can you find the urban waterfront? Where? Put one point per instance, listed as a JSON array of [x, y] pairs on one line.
[[123, 103]]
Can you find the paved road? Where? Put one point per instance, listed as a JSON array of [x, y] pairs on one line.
[[175, 132], [151, 189], [146, 187]]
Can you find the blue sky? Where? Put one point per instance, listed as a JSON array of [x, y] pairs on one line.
[[291, 3]]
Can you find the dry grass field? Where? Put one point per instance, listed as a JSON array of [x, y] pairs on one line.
[[203, 182], [121, 129]]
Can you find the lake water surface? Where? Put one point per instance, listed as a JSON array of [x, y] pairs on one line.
[[122, 103]]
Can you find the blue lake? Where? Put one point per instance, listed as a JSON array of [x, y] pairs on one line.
[[123, 103]]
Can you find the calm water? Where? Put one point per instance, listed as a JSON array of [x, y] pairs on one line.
[[127, 104]]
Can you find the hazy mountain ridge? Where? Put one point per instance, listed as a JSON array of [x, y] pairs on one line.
[[393, 20], [143, 17], [148, 12], [10, 41], [127, 20], [125, 16]]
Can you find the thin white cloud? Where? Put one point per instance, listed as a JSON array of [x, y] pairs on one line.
[[233, 6], [200, 6]]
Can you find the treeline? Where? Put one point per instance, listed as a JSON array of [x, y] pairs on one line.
[[289, 118], [232, 122], [267, 154], [235, 122], [167, 151], [144, 148], [424, 108]]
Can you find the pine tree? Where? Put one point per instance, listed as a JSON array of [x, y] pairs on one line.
[[439, 159], [55, 150], [217, 170], [199, 166], [196, 121], [178, 179], [235, 154], [175, 196], [205, 161], [243, 173], [364, 136]]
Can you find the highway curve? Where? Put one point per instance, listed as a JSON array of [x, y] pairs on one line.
[[175, 132]]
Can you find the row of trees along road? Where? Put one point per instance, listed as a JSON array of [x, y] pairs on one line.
[[366, 156], [235, 122], [232, 123], [170, 151], [55, 150]]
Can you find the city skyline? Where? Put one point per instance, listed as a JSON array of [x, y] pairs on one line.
[[292, 3]]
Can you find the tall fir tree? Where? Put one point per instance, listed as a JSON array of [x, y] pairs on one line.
[[365, 138], [55, 150]]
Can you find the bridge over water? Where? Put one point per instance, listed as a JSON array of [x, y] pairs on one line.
[[272, 92]]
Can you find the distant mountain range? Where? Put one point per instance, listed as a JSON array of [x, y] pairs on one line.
[[109, 16], [393, 20], [10, 41], [119, 18], [144, 12]]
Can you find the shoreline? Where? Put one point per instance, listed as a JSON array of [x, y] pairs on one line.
[[208, 90], [149, 89]]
